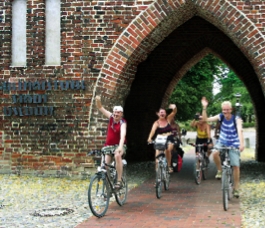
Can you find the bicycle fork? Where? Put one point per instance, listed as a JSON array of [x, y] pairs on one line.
[[227, 180], [198, 162]]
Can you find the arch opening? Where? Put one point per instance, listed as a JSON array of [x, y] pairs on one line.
[[157, 76]]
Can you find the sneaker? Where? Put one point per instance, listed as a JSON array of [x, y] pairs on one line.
[[218, 175], [236, 193]]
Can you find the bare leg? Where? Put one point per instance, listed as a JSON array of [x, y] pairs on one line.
[[236, 175], [156, 161], [217, 160], [108, 159], [119, 165], [210, 146], [170, 147]]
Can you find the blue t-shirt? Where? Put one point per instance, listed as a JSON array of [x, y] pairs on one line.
[[228, 132]]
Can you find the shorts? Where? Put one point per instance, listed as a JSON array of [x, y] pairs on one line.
[[202, 141], [109, 150], [234, 155], [170, 139]]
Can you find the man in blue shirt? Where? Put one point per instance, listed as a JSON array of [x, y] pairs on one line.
[[230, 136]]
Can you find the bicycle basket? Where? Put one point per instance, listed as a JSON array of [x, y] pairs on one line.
[[160, 143]]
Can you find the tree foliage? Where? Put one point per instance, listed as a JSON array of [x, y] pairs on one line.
[[231, 85], [195, 84], [198, 82]]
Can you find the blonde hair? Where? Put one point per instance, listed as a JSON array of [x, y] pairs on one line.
[[226, 103]]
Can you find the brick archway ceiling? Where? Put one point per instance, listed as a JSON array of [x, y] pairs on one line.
[[154, 75]]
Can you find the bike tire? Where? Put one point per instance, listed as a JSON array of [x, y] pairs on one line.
[[166, 178], [197, 172], [121, 194], [231, 184], [158, 182], [204, 169], [98, 195], [225, 189]]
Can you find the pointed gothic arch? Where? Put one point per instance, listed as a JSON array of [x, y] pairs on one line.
[[157, 23]]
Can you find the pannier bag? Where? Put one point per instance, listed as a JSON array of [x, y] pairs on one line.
[[176, 161]]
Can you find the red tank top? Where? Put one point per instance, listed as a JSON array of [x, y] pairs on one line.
[[114, 132]]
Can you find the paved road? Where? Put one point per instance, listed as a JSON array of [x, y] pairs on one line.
[[184, 205]]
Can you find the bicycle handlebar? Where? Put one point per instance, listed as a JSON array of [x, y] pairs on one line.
[[199, 145], [225, 148]]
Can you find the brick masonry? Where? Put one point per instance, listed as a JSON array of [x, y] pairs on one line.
[[132, 53]]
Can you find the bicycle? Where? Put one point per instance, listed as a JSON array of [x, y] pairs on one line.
[[162, 171], [102, 186], [201, 162], [227, 175]]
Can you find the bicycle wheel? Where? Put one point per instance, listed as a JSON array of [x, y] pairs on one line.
[[98, 196], [230, 184], [121, 194], [166, 178], [158, 182], [225, 189], [204, 169], [198, 171]]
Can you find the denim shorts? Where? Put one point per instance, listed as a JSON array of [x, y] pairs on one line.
[[234, 155]]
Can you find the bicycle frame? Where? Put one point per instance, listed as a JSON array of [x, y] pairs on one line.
[[105, 171], [200, 162], [102, 187], [227, 175], [162, 172]]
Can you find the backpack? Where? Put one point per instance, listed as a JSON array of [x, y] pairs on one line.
[[218, 125], [176, 160]]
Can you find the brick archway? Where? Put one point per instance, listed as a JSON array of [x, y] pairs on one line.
[[136, 64]]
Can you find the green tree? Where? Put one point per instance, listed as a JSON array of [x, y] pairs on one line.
[[195, 84], [231, 85]]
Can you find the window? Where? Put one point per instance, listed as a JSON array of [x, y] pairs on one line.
[[19, 55], [52, 41]]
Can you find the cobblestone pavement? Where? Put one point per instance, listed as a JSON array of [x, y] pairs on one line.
[[29, 201]]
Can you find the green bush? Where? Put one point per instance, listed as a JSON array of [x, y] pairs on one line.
[[247, 125]]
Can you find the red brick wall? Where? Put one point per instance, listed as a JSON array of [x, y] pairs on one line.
[[103, 43]]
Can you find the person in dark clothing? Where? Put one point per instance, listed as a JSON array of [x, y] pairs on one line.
[[162, 127]]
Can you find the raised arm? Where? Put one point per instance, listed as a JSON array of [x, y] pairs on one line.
[[193, 123], [173, 113], [208, 129], [204, 112], [240, 133], [101, 108]]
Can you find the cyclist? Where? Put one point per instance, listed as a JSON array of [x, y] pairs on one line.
[[115, 140], [162, 127], [203, 134], [175, 132], [230, 135]]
